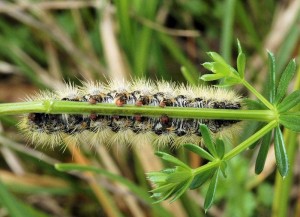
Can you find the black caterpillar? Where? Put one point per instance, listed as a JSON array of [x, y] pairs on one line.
[[53, 128]]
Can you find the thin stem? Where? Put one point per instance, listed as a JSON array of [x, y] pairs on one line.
[[240, 148], [100, 193], [248, 142], [58, 107], [207, 167], [21, 108], [257, 94]]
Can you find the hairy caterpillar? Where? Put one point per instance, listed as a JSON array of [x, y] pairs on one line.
[[52, 129]]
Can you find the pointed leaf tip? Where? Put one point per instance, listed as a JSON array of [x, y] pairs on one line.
[[285, 80], [280, 153], [209, 198]]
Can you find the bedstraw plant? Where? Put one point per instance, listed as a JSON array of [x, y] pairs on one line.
[[276, 111]]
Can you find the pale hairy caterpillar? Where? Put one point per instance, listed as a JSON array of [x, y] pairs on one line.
[[52, 129]]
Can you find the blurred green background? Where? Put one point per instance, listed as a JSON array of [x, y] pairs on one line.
[[44, 43]]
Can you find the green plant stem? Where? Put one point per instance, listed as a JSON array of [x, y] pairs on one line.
[[58, 107], [258, 95], [237, 150], [206, 167], [248, 142]]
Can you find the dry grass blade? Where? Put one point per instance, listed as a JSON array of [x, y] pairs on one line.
[[117, 67], [169, 31], [99, 192], [53, 5], [43, 74], [26, 150], [129, 199], [150, 162], [273, 40], [47, 24]]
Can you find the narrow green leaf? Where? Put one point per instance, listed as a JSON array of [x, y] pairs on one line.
[[289, 102], [200, 151], [208, 140], [208, 65], [290, 121], [220, 147], [285, 79], [218, 68], [217, 58], [169, 170], [229, 81], [211, 77], [223, 167], [209, 198], [163, 189], [179, 176], [201, 178], [262, 154], [165, 196], [272, 74], [241, 62], [181, 190], [170, 158], [157, 177], [239, 46], [280, 153], [256, 128]]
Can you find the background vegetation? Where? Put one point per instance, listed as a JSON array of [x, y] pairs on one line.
[[43, 43]]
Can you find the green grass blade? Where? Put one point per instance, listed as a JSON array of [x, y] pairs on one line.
[[9, 202], [288, 46], [124, 21], [14, 207], [227, 29], [188, 76], [131, 186], [177, 53], [243, 17], [144, 38]]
